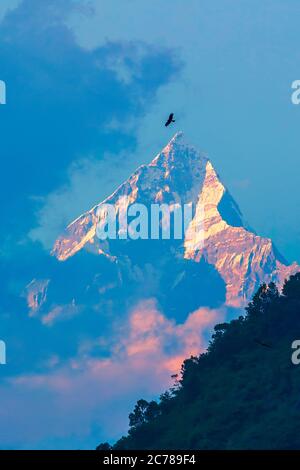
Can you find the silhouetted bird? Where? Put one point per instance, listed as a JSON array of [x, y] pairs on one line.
[[170, 119], [174, 376], [265, 345]]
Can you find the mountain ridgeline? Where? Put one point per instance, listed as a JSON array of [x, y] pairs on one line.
[[183, 275], [243, 393]]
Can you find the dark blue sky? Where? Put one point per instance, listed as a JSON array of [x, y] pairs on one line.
[[60, 100], [89, 84], [88, 88]]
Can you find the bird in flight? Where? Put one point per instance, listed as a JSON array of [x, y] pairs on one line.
[[170, 119]]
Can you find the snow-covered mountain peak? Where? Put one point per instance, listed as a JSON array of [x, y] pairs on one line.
[[180, 174]]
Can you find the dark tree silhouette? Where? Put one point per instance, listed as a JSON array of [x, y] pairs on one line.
[[236, 395]]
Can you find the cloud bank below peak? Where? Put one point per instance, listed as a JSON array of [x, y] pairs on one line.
[[89, 397]]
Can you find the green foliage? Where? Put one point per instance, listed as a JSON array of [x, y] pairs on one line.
[[291, 288], [243, 393], [143, 412], [104, 446]]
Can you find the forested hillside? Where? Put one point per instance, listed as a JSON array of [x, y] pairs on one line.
[[243, 393]]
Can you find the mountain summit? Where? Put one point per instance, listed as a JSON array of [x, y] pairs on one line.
[[231, 254]]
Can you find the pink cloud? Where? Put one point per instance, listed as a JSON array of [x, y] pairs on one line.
[[60, 312], [70, 398], [150, 331]]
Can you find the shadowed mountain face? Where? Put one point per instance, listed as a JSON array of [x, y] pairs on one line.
[[225, 265]]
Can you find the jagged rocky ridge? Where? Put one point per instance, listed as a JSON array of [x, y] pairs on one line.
[[233, 260]]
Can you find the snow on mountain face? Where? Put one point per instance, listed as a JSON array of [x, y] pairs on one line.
[[176, 175], [182, 175]]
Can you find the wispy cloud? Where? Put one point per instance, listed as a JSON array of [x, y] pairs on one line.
[[66, 100]]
